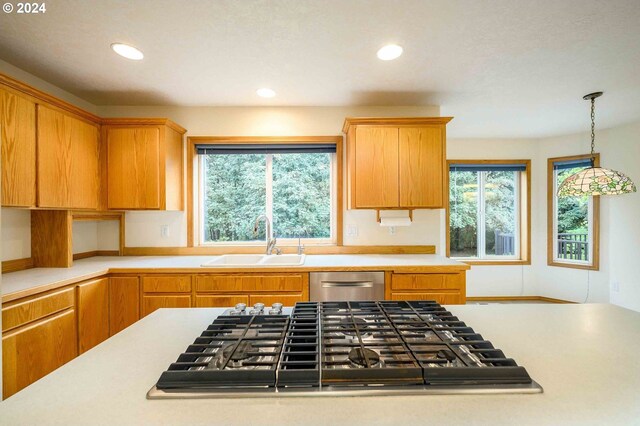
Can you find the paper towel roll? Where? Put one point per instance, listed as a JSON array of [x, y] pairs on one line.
[[395, 221]]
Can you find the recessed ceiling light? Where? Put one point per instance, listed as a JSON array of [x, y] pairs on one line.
[[265, 92], [127, 51], [389, 52]]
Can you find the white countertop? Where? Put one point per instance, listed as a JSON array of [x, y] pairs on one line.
[[585, 357], [100, 265]]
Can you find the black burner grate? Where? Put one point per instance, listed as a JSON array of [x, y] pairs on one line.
[[342, 344]]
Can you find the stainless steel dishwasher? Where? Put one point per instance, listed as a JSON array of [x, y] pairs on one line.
[[346, 286]]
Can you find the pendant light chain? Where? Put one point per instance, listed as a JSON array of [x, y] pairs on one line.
[[593, 129]]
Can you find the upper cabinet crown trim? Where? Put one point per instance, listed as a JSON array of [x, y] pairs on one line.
[[393, 121], [45, 97], [144, 122]]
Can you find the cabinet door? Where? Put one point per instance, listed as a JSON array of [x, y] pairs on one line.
[[31, 352], [421, 158], [269, 299], [151, 303], [93, 313], [211, 301], [133, 168], [18, 136], [376, 167], [124, 303], [452, 298], [68, 174]]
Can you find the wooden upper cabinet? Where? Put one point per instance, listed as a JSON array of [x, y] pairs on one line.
[[18, 136], [422, 171], [144, 164], [396, 163], [376, 166], [68, 165]]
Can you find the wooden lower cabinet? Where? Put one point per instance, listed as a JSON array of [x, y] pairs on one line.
[[166, 284], [35, 350], [249, 283], [220, 301], [93, 313], [449, 288], [442, 298], [124, 303], [152, 302], [269, 299]]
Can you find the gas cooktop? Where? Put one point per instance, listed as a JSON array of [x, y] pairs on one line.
[[340, 348]]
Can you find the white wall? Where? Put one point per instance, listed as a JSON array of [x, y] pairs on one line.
[[618, 279], [95, 235], [38, 83], [143, 228], [16, 233], [623, 153]]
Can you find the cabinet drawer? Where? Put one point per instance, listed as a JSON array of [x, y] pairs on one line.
[[220, 301], [34, 309], [34, 351], [269, 299], [166, 284], [250, 283], [427, 281], [152, 303], [451, 298], [215, 283]]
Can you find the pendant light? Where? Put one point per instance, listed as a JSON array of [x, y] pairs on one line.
[[595, 180]]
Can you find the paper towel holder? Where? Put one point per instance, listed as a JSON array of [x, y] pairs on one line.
[[378, 218]]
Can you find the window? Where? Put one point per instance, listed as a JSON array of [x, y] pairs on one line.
[[293, 184], [572, 221], [488, 210]]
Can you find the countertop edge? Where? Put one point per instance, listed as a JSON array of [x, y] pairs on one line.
[[10, 297]]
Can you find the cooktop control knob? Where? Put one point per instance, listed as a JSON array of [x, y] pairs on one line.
[[274, 311], [277, 306], [241, 307], [258, 306], [254, 312]]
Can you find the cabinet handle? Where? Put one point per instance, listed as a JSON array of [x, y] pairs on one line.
[[329, 284]]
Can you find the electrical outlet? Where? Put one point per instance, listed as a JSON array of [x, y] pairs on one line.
[[392, 230], [615, 286], [164, 231], [352, 230]]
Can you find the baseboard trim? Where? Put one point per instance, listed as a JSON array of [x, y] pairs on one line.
[[93, 253], [17, 265], [516, 298]]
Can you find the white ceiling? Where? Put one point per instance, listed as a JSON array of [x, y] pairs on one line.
[[502, 68]]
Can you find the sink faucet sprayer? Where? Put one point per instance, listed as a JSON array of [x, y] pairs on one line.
[[271, 242]]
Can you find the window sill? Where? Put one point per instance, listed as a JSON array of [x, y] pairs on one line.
[[513, 262], [573, 266]]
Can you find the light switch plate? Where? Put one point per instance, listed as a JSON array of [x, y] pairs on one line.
[[164, 231]]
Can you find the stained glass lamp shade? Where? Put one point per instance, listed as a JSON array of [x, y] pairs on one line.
[[596, 181]]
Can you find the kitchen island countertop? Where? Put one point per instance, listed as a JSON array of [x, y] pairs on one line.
[[31, 281], [585, 357]]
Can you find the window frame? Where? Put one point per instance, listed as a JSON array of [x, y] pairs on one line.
[[594, 216], [194, 190], [523, 219]]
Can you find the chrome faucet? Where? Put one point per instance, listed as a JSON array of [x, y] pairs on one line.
[[271, 242]]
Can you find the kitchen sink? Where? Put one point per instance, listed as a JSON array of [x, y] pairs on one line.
[[283, 259], [255, 260]]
